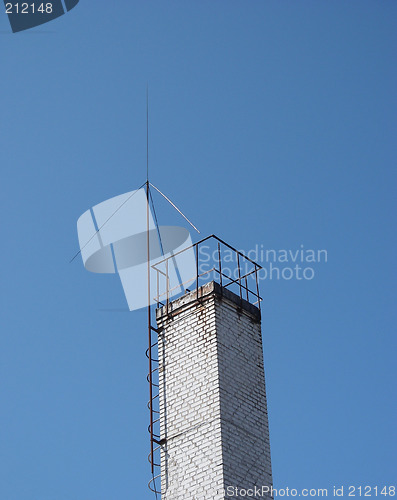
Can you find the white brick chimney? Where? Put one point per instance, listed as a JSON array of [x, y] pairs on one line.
[[213, 412]]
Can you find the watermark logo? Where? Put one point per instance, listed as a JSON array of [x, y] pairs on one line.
[[119, 236], [277, 264], [26, 15]]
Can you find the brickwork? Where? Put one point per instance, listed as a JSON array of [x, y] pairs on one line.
[[213, 412]]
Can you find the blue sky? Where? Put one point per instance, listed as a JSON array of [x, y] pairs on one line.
[[271, 123]]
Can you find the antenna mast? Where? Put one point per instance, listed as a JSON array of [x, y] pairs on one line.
[[147, 133], [148, 282]]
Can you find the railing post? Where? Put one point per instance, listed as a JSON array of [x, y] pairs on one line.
[[257, 287], [158, 288], [197, 271], [239, 274], [220, 264], [167, 284]]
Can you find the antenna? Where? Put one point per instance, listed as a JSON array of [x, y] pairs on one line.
[[149, 320], [147, 133], [112, 241]]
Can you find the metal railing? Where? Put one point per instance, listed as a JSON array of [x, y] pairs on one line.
[[215, 260]]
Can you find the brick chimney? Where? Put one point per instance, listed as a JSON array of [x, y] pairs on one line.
[[213, 412]]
